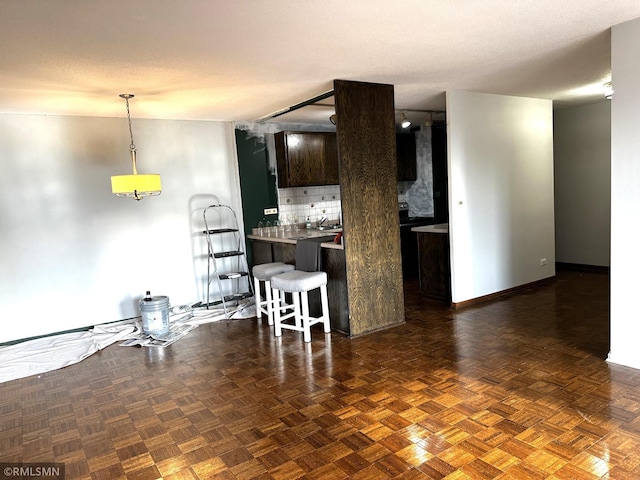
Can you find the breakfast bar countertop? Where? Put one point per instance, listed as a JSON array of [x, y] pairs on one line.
[[438, 228], [294, 236]]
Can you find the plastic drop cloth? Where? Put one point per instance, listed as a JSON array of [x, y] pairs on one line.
[[41, 355]]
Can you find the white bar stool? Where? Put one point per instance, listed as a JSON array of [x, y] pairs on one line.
[[299, 283], [263, 273]]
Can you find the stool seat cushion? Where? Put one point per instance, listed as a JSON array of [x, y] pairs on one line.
[[298, 281], [265, 271]]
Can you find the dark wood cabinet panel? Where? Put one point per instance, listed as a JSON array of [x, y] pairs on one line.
[[331, 172], [261, 252], [311, 158], [306, 159], [435, 272], [333, 262], [284, 252], [406, 154], [267, 252]]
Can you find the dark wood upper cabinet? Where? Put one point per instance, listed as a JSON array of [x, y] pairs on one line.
[[311, 158], [331, 173], [306, 159], [406, 154]]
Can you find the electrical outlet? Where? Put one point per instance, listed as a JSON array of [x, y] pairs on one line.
[[270, 211], [543, 261]]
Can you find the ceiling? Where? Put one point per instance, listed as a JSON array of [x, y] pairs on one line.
[[242, 60]]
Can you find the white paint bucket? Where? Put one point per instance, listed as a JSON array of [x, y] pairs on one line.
[[155, 314]]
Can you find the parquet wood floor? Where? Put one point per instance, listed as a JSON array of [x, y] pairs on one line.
[[516, 388]]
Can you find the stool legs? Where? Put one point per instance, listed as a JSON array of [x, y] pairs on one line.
[[277, 322], [257, 299], [300, 314], [304, 318], [266, 305], [269, 300], [324, 298], [282, 306], [263, 273], [296, 309]]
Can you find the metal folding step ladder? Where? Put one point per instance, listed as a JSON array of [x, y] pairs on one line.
[[227, 261]]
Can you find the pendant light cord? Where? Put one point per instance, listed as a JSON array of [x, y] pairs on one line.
[[132, 146]]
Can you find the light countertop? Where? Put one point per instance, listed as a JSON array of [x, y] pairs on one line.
[[438, 228]]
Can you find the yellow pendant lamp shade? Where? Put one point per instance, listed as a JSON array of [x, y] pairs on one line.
[[136, 185], [139, 185]]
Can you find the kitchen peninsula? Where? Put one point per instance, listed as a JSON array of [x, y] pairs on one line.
[[365, 277], [281, 247]]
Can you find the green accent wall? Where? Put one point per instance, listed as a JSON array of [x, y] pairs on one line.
[[257, 182]]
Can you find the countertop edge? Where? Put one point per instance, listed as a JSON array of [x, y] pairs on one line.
[[439, 228], [292, 241]]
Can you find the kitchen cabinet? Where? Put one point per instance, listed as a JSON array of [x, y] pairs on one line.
[[262, 252], [267, 252], [435, 272], [306, 159], [284, 252], [409, 250], [333, 262], [406, 155]]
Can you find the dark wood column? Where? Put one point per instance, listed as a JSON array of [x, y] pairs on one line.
[[367, 159]]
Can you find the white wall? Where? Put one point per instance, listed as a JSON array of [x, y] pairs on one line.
[[501, 223], [625, 194], [74, 255], [582, 172]]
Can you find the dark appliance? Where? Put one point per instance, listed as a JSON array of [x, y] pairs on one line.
[[409, 240]]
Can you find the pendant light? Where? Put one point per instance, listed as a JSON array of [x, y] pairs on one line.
[[137, 185]]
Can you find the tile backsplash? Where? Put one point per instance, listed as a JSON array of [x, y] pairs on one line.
[[296, 204]]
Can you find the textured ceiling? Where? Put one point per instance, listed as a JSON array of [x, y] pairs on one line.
[[245, 59]]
